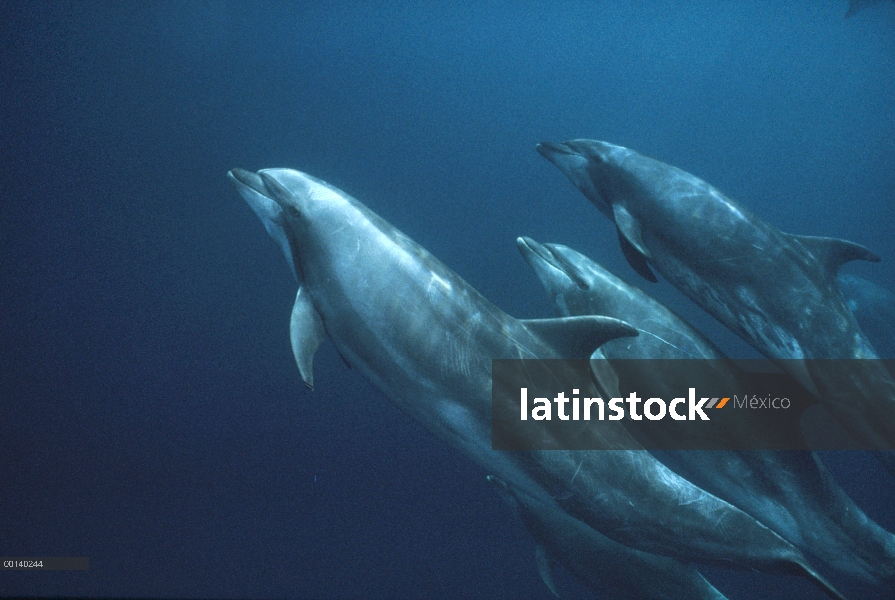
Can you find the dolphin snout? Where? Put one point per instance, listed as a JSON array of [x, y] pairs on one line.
[[533, 252], [248, 179], [553, 150], [543, 258]]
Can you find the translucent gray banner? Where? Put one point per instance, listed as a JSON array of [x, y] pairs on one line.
[[693, 405]]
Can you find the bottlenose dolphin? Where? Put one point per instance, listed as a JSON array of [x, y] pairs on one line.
[[789, 491], [610, 568], [775, 290], [426, 338], [856, 6], [874, 308]]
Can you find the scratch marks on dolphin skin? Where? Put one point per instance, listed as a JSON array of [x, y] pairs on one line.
[[663, 340], [435, 280]]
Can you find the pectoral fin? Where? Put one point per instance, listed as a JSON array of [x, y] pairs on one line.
[[629, 236], [578, 337], [545, 568], [604, 375], [306, 334]]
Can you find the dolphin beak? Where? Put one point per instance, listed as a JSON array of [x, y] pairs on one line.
[[542, 258], [567, 159], [248, 179], [536, 255], [555, 152], [531, 249]]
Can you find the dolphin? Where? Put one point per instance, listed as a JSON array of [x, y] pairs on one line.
[[856, 6], [789, 491], [775, 290], [426, 339], [874, 308], [613, 570]]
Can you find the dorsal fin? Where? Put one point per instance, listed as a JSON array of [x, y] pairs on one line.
[[306, 333], [578, 337], [833, 252]]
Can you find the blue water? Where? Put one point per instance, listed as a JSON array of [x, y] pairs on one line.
[[151, 415]]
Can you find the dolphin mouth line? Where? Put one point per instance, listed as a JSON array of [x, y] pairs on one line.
[[548, 149], [251, 180], [530, 247], [551, 258]]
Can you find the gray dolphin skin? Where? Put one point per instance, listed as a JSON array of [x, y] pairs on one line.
[[789, 491], [426, 338], [610, 568], [775, 290], [874, 308]]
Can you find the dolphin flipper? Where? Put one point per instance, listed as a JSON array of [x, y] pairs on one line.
[[629, 236], [545, 568], [578, 337], [306, 333]]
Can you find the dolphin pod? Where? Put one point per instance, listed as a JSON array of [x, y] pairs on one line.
[[777, 291], [790, 492], [426, 338], [612, 569]]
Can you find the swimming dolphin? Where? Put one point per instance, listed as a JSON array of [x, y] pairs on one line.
[[610, 568], [775, 290], [856, 6], [789, 491], [874, 308], [426, 338]]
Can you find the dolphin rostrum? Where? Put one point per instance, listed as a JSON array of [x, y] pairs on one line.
[[614, 570], [426, 338], [775, 290], [789, 491]]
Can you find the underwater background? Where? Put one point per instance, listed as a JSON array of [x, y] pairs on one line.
[[151, 414]]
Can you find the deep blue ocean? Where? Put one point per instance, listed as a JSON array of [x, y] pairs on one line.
[[151, 414]]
